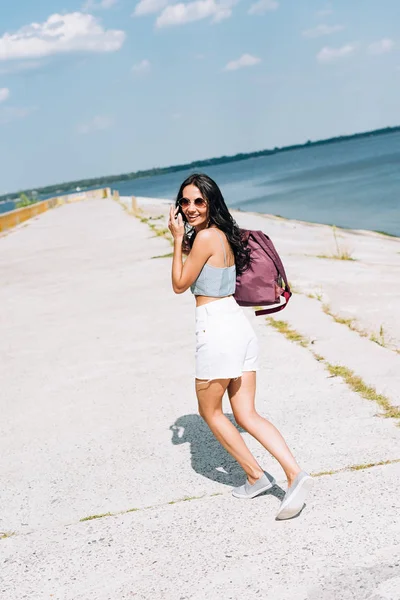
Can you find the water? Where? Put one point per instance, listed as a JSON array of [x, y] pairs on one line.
[[353, 184]]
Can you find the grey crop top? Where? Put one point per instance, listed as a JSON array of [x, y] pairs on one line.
[[216, 282]]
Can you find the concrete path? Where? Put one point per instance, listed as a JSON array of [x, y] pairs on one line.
[[99, 416]]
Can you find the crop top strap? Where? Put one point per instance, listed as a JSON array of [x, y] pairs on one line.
[[223, 245]]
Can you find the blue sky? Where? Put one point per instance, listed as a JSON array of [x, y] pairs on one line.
[[101, 87]]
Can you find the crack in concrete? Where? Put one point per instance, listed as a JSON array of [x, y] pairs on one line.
[[349, 469]]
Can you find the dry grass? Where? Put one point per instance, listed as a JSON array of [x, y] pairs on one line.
[[349, 322], [366, 391], [345, 255], [288, 332], [315, 296], [349, 377], [92, 517], [360, 467], [379, 338], [6, 534], [342, 253]]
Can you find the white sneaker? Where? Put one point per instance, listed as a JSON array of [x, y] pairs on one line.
[[295, 497], [249, 491]]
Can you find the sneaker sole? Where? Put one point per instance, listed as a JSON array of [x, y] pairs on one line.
[[254, 494], [297, 501]]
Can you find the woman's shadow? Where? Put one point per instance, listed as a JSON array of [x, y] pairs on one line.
[[208, 457]]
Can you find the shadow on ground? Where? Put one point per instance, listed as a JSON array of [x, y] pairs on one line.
[[208, 457]]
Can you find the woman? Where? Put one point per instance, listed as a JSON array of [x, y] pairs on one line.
[[226, 345]]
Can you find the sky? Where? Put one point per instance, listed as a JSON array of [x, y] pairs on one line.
[[100, 87]]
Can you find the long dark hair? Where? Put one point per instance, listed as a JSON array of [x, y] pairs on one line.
[[219, 216]]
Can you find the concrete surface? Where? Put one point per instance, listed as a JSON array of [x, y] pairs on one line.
[[99, 416]]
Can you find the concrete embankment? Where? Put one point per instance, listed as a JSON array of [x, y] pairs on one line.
[[99, 418]]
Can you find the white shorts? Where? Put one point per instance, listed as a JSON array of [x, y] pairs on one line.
[[226, 344]]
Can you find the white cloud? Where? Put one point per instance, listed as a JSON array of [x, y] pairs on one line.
[[141, 67], [322, 30], [4, 94], [329, 55], [147, 7], [60, 34], [13, 113], [98, 123], [381, 47], [262, 6], [179, 14], [246, 60], [102, 5]]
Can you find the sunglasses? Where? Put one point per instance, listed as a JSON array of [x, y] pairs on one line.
[[198, 202]]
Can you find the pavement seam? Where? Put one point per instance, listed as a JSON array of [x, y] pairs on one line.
[[351, 323], [348, 469], [353, 381]]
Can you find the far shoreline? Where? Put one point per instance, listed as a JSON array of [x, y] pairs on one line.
[[106, 181], [154, 202]]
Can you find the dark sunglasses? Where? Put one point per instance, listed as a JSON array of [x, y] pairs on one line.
[[198, 202]]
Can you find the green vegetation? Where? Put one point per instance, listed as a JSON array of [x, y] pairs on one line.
[[379, 338], [291, 334], [95, 517], [24, 200], [353, 381], [71, 186], [387, 234], [360, 467], [315, 296], [341, 253], [366, 391], [6, 534], [350, 323]]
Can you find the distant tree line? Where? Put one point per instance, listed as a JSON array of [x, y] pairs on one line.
[[69, 187]]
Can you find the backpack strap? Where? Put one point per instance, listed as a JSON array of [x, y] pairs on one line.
[[260, 236]]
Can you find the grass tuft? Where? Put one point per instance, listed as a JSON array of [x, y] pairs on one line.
[[341, 253], [290, 334], [366, 391], [6, 534], [379, 338], [349, 377], [342, 256], [360, 467], [315, 296], [350, 323], [92, 517]]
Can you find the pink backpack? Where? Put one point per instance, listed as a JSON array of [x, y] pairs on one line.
[[261, 284]]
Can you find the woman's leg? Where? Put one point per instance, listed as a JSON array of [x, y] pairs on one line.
[[242, 397], [209, 396]]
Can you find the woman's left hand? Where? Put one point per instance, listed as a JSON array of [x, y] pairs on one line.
[[175, 223]]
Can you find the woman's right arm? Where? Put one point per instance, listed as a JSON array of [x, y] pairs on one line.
[[186, 273]]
